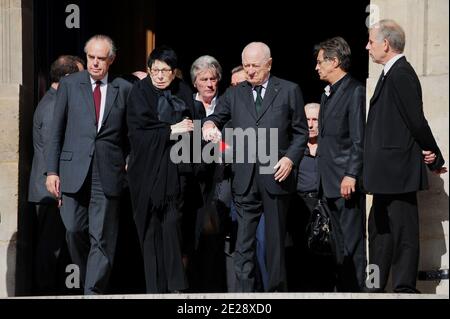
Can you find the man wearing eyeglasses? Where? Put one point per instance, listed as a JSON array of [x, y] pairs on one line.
[[340, 151], [86, 162], [273, 105]]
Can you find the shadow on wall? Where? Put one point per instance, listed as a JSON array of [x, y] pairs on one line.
[[433, 217], [11, 266]]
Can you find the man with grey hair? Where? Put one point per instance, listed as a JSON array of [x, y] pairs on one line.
[[398, 144], [86, 162], [263, 104], [206, 74], [340, 151], [50, 254]]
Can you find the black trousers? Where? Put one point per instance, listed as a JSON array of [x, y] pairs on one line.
[[51, 256], [249, 209], [161, 250], [348, 219], [91, 220], [394, 240], [306, 271]]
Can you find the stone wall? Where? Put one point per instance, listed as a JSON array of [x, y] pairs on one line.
[[10, 79], [16, 94], [426, 26]]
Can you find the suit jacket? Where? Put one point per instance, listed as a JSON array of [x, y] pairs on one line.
[[282, 109], [341, 135], [396, 134], [75, 139], [42, 121]]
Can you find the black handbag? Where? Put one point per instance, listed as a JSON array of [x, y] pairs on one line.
[[319, 230]]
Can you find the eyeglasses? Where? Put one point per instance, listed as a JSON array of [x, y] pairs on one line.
[[164, 72]]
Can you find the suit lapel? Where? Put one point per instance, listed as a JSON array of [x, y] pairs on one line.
[[272, 90], [323, 100], [86, 89], [378, 88], [334, 100], [111, 94], [380, 83], [247, 97]]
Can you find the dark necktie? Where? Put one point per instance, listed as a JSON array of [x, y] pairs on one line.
[[97, 100], [259, 99]]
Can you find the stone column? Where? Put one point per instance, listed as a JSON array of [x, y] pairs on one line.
[[15, 96], [10, 80], [426, 25]]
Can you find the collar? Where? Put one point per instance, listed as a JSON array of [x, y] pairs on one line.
[[330, 89], [391, 62], [104, 80], [213, 101]]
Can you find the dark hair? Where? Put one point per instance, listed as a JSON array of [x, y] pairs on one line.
[[130, 78], [164, 54], [64, 65], [79, 60], [337, 48]]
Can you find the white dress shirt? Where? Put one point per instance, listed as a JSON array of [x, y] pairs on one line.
[[263, 91], [391, 62], [209, 110]]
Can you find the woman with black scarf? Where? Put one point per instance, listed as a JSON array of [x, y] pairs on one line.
[[159, 106]]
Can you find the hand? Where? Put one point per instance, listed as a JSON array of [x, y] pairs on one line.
[[184, 126], [59, 203], [211, 132], [348, 186], [429, 157], [53, 183], [283, 169], [440, 171]]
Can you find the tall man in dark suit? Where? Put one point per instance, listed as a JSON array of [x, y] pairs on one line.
[[397, 143], [275, 106], [87, 158], [50, 261], [340, 151]]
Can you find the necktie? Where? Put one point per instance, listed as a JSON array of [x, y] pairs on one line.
[[97, 100], [259, 99]]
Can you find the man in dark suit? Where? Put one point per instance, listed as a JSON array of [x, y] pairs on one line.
[[397, 143], [265, 107], [50, 260], [340, 151], [87, 158]]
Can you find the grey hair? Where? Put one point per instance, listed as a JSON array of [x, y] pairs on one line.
[[203, 63], [312, 106], [391, 31], [264, 47], [101, 37]]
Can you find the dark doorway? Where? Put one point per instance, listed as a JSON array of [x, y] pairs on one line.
[[290, 29], [204, 27]]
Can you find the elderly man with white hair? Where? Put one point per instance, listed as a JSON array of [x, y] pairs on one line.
[[272, 108]]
